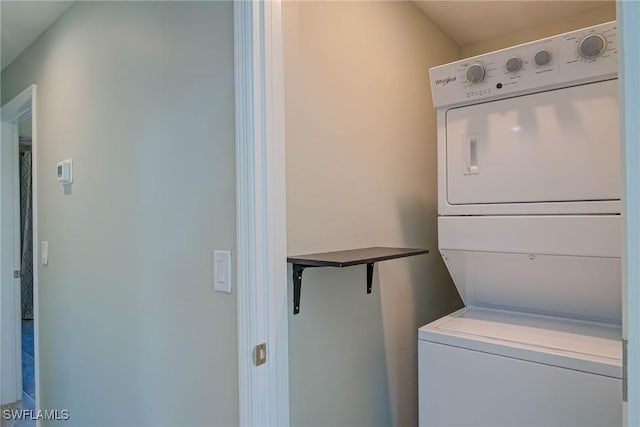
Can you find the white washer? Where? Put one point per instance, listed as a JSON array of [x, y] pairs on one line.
[[529, 188]]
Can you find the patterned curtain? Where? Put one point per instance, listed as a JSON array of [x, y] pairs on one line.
[[26, 222]]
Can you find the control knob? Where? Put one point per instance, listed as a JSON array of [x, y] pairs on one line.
[[475, 73], [543, 57], [592, 46], [513, 64]]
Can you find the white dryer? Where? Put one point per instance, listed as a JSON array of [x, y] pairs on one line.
[[529, 189]]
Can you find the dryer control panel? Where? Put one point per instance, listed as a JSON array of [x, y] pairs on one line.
[[580, 56]]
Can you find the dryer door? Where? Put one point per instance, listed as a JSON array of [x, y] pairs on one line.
[[556, 146]]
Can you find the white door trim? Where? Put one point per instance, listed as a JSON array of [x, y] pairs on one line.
[[10, 354], [16, 110], [261, 212], [629, 38]]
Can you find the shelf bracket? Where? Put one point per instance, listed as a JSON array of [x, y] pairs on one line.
[[297, 286], [348, 258], [369, 276], [297, 283]]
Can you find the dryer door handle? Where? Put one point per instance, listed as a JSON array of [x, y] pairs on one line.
[[471, 153]]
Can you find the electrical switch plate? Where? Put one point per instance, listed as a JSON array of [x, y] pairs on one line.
[[44, 253], [260, 354], [222, 271]]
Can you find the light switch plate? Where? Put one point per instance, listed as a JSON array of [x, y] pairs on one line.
[[44, 252], [260, 354], [222, 271]]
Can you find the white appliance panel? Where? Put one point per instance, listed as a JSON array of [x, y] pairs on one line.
[[565, 286], [590, 347], [556, 146], [461, 387], [578, 235], [565, 265], [566, 66]]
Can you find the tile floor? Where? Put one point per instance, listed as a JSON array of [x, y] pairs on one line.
[[28, 378]]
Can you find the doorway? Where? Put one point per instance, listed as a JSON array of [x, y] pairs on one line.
[[18, 297], [25, 157]]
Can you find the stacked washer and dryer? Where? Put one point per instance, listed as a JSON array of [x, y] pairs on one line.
[[529, 198]]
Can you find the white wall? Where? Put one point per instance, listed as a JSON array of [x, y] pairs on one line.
[[361, 171], [140, 95]]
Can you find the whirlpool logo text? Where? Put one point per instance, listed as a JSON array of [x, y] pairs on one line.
[[446, 81]]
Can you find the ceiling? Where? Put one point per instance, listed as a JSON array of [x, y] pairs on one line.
[[468, 22], [22, 22]]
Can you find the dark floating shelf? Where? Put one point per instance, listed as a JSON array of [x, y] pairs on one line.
[[341, 259]]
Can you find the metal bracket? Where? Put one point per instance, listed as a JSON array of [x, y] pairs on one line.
[[297, 282], [369, 276], [17, 274], [297, 286]]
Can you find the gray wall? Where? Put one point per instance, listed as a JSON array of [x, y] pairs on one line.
[[140, 95], [24, 128], [361, 171]]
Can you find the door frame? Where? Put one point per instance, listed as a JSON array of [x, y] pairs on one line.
[[20, 108], [628, 15], [261, 212]]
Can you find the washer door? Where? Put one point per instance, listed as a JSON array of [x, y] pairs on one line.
[[556, 146]]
